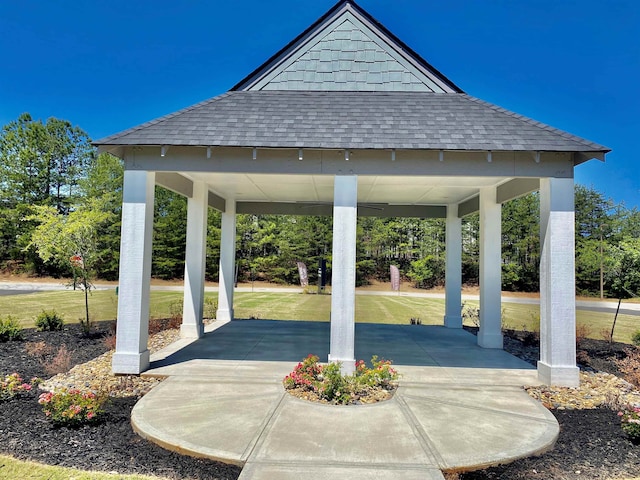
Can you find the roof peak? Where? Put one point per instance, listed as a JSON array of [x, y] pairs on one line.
[[347, 49]]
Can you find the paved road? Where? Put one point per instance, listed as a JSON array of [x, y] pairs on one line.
[[19, 288]]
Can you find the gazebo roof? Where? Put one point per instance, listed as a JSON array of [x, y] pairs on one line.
[[352, 120]]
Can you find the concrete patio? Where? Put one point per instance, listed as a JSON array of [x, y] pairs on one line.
[[459, 406]]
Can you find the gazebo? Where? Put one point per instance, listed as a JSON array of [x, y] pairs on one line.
[[347, 120]]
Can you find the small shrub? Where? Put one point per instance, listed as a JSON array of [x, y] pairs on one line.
[[530, 338], [49, 321], [157, 325], [209, 308], [39, 350], [60, 363], [175, 309], [72, 407], [87, 325], [630, 366], [630, 422], [471, 315], [10, 329], [415, 321], [334, 386], [110, 342], [381, 373], [635, 338], [582, 332], [605, 333], [12, 385]]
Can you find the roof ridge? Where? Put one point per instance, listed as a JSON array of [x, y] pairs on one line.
[[544, 126], [163, 118]]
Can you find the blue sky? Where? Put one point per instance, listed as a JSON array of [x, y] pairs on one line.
[[107, 66]]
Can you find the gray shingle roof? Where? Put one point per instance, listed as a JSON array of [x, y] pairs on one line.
[[352, 120]]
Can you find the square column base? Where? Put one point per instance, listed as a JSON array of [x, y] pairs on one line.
[[348, 366], [490, 340], [559, 376], [224, 314], [453, 321], [192, 331], [130, 363]]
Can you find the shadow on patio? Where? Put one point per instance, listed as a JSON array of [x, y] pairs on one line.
[[291, 341]]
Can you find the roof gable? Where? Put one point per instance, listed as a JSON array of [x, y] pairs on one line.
[[347, 49]]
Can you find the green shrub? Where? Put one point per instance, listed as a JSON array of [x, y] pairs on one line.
[[630, 422], [10, 329], [72, 407], [210, 308], [635, 338], [12, 385], [49, 321], [427, 272], [175, 310]]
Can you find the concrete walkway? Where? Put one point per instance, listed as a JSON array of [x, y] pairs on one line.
[[459, 407]]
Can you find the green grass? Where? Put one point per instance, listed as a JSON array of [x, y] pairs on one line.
[[102, 305], [297, 306], [12, 468]]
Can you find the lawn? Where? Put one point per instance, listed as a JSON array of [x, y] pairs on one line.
[[298, 306], [13, 468]]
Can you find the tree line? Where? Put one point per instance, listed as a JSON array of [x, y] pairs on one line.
[[50, 172]]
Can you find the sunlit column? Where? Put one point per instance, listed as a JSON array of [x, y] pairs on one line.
[[343, 271], [131, 355], [557, 365], [195, 258]]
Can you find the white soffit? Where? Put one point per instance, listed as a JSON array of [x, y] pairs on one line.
[[319, 188]]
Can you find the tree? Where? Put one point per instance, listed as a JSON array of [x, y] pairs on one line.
[[594, 234], [70, 240], [521, 244], [101, 188], [169, 234], [40, 164], [624, 277]]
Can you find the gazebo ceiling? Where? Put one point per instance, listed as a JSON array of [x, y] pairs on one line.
[[403, 190]]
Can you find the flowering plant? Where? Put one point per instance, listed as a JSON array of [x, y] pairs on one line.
[[630, 421], [326, 382], [12, 385], [72, 407]]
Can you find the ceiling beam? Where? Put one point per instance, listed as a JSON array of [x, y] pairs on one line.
[[468, 207], [326, 209], [515, 188], [175, 182], [217, 203]]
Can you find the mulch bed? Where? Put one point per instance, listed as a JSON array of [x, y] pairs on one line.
[[110, 445], [591, 444]]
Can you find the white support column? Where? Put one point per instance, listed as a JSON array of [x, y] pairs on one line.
[[343, 271], [453, 274], [131, 355], [195, 258], [227, 261], [490, 334], [557, 365]]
